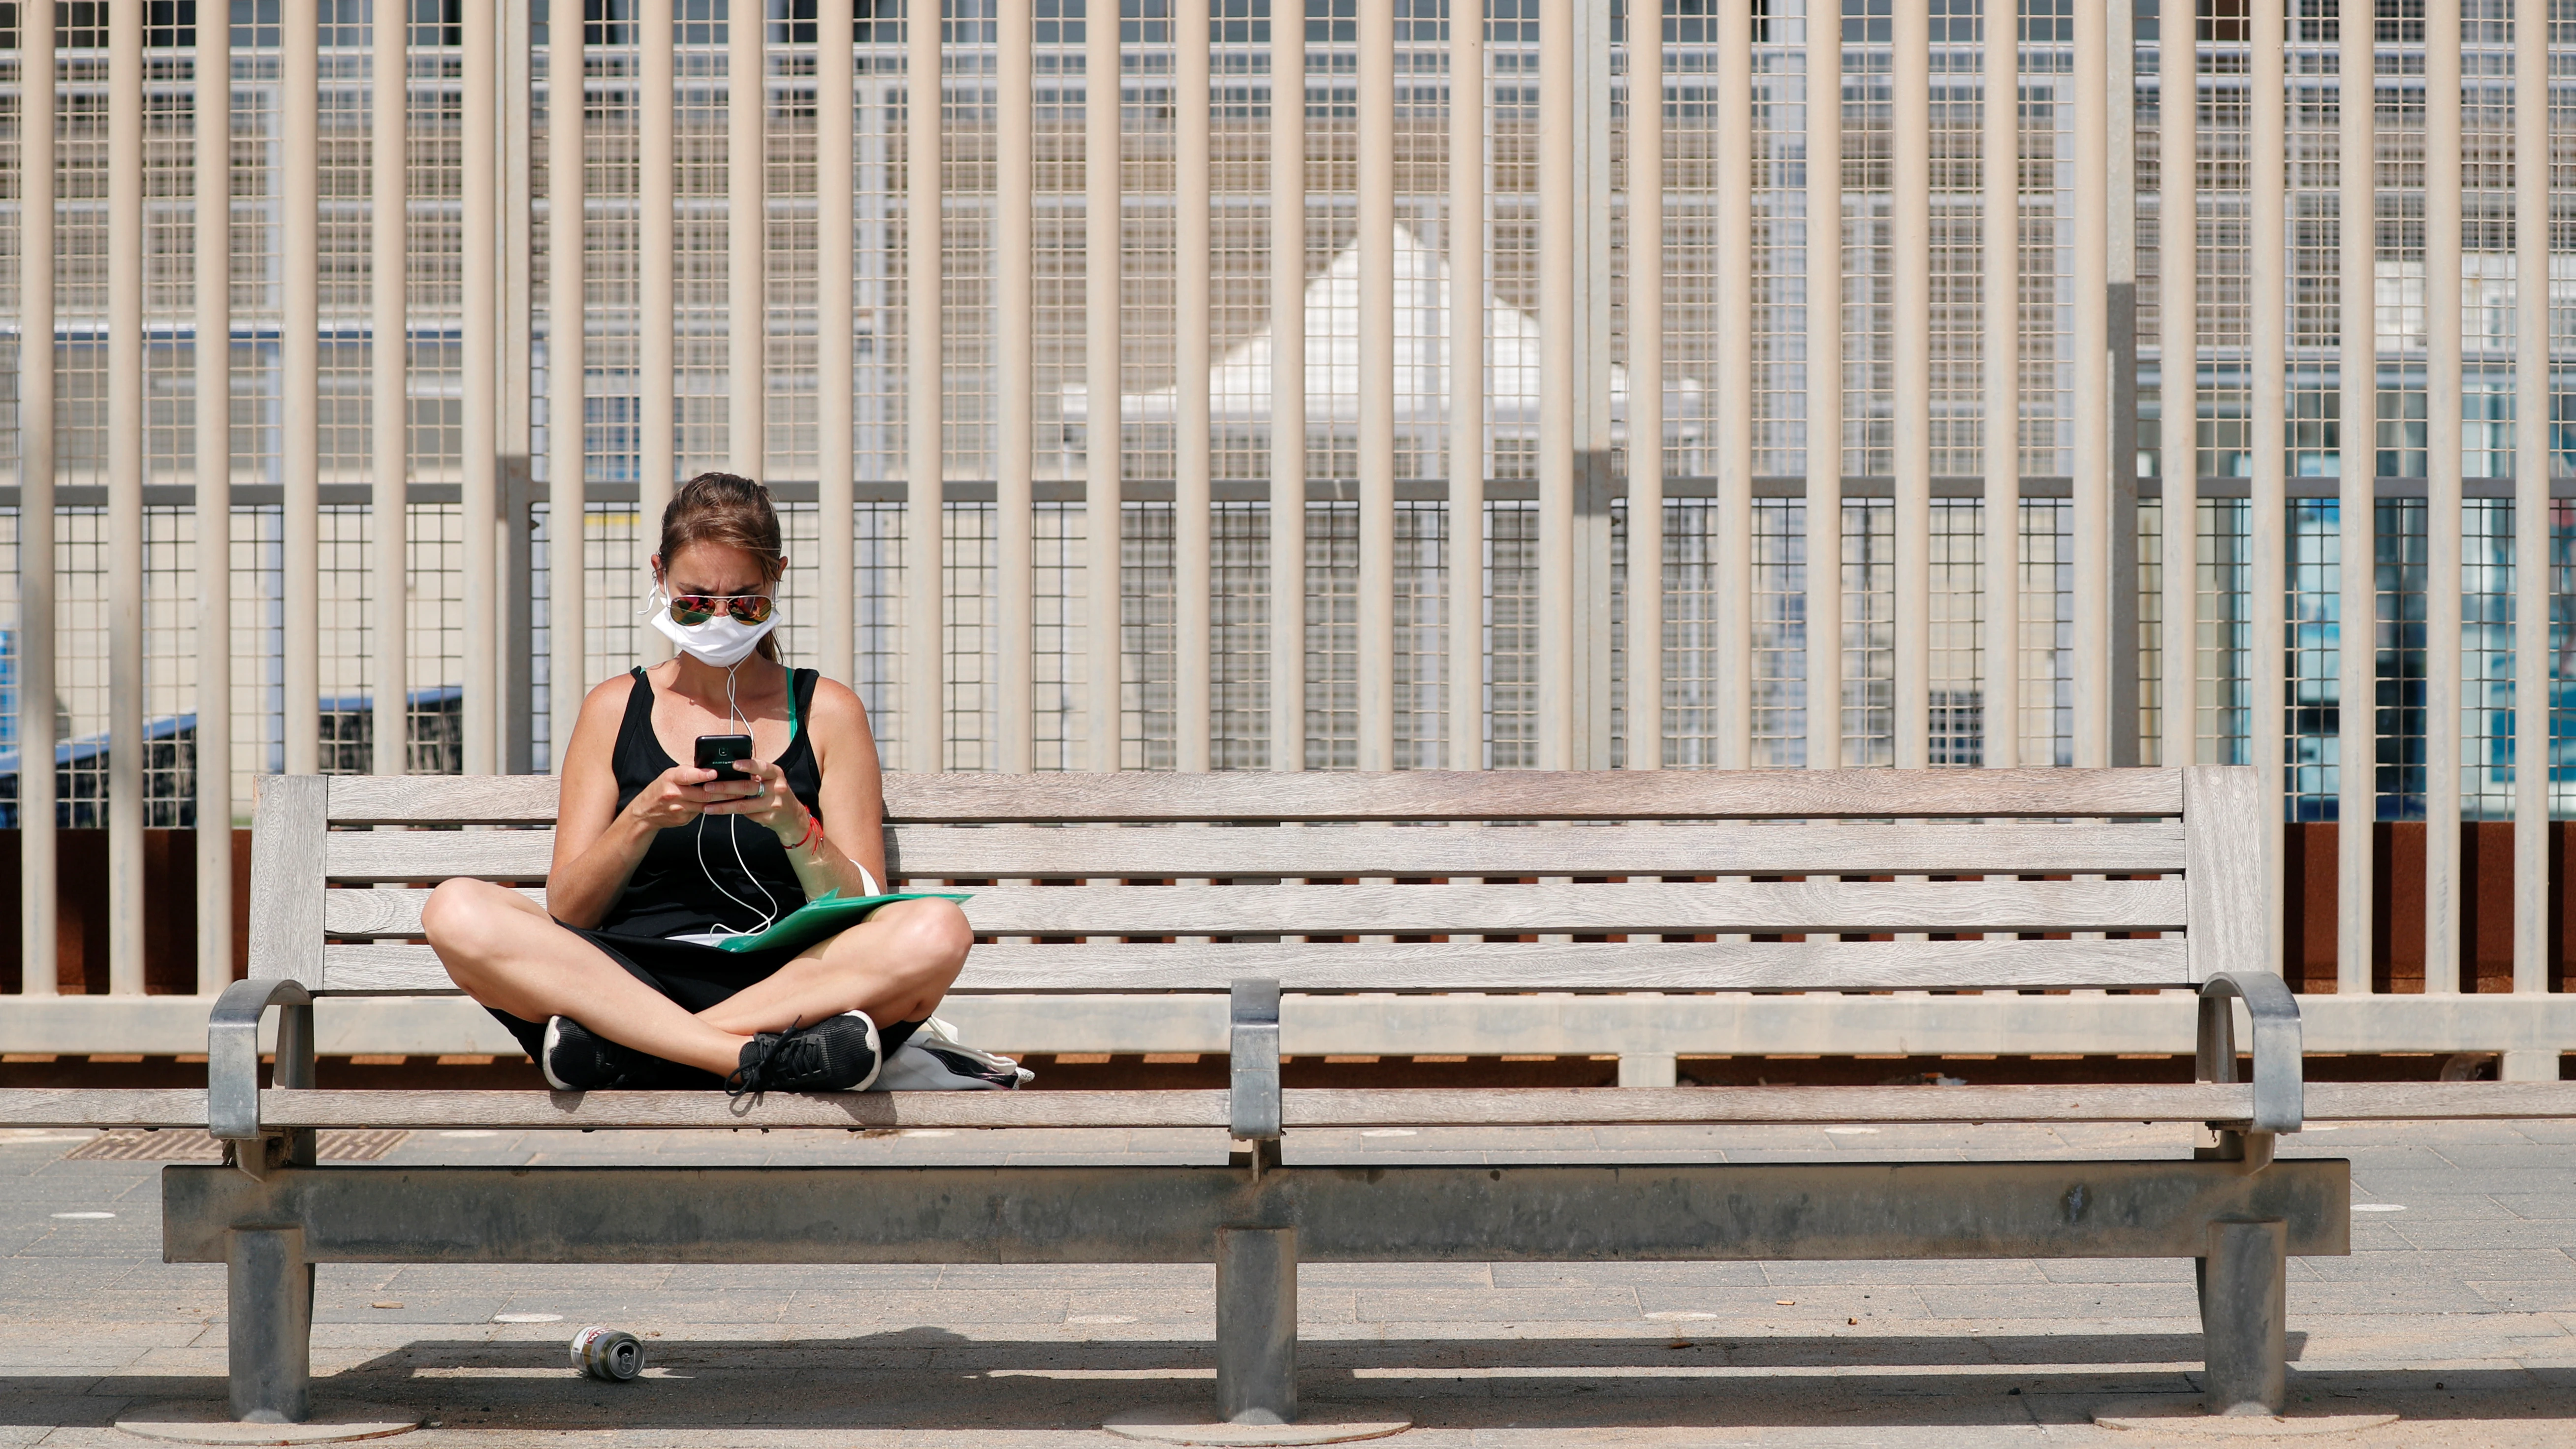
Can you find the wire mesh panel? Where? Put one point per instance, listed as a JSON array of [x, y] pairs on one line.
[[1957, 693], [2151, 625], [2225, 708], [2401, 647], [2314, 781], [1869, 631], [1511, 636], [1059, 658], [2486, 643], [877, 550], [1146, 637], [1239, 643]]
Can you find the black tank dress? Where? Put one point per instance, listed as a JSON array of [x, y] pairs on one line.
[[669, 894], [716, 873]]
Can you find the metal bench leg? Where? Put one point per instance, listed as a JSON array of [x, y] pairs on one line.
[[2244, 1311], [1256, 1325], [270, 1290]]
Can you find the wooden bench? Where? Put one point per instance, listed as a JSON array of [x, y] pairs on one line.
[[1259, 885]]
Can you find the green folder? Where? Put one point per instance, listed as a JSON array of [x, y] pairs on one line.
[[828, 914]]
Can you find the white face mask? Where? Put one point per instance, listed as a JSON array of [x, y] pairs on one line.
[[723, 641]]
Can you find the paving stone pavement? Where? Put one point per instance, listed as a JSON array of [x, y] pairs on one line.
[[2456, 1310]]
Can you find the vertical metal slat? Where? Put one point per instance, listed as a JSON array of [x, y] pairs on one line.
[[2269, 335], [2442, 693], [389, 382], [2000, 238], [1735, 424], [214, 475], [2092, 379], [566, 361], [299, 366], [2178, 385], [479, 377], [1015, 343], [1467, 391], [1376, 243], [36, 459], [747, 241], [1192, 542], [656, 346], [1104, 335], [1559, 349], [1910, 240], [1288, 393], [925, 709], [2531, 522], [125, 437], [2357, 805], [1824, 397], [1646, 360]]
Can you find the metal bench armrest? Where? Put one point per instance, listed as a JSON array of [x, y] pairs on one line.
[[2280, 1092], [232, 1051], [1254, 1053]]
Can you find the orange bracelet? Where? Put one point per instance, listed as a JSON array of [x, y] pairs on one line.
[[813, 831]]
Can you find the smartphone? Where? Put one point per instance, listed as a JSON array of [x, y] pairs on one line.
[[720, 753]]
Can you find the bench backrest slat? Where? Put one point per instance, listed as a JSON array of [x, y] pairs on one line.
[[1445, 849], [1264, 910], [1402, 795], [2230, 885], [409, 970], [287, 888]]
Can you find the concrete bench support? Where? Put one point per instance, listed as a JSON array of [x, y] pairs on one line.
[[1256, 1324], [269, 1288], [2244, 1316]]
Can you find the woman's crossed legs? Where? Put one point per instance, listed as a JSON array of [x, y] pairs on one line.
[[508, 954]]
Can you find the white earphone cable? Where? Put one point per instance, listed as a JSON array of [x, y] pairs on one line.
[[733, 713]]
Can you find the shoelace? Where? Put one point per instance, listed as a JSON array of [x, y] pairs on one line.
[[753, 1076]]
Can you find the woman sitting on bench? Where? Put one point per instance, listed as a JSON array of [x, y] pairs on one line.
[[657, 860]]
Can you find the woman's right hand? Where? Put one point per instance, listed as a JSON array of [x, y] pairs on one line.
[[681, 794]]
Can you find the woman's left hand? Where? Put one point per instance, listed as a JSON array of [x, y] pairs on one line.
[[776, 806]]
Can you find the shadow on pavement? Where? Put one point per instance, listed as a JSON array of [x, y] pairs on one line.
[[930, 1379]]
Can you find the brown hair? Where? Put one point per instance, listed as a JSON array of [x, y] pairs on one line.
[[731, 510]]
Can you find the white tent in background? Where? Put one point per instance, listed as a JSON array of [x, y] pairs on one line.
[[1239, 386]]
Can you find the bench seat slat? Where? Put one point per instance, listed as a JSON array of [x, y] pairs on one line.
[[108, 1107], [1009, 851], [1303, 1108], [388, 969], [1403, 795], [1729, 906]]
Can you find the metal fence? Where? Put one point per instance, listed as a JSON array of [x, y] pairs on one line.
[[1546, 328]]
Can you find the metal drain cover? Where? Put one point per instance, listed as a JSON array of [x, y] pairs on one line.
[[185, 1144]]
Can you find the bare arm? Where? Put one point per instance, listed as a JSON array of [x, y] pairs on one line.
[[852, 799], [597, 846]]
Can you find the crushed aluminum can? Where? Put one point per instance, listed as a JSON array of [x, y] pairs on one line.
[[609, 1354]]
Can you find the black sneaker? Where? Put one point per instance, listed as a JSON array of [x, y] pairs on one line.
[[577, 1059], [837, 1054]]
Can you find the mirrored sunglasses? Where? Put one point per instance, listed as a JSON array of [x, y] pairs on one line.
[[694, 609]]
